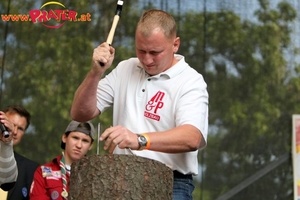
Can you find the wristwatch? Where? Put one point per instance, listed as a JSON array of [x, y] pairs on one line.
[[142, 142]]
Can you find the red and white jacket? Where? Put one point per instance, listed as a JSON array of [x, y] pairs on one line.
[[47, 182]]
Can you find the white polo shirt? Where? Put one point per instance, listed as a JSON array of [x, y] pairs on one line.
[[144, 103]]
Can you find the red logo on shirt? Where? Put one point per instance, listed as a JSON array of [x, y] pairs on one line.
[[153, 105]]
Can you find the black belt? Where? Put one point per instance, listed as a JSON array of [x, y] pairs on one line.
[[177, 174]]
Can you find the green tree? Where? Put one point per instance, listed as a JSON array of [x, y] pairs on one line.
[[249, 80], [44, 67]]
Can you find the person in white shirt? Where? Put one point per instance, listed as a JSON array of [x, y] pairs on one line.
[[160, 103]]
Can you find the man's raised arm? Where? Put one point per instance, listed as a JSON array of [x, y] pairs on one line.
[[84, 107]]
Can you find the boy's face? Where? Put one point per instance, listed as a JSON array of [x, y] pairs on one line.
[[77, 146]]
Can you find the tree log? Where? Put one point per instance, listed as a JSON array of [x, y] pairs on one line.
[[120, 177]]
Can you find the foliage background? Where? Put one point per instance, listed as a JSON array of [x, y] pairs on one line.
[[247, 52]]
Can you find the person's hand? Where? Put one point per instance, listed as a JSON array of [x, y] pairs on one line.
[[103, 54], [119, 135], [9, 125]]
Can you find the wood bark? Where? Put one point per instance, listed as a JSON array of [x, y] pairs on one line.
[[120, 177]]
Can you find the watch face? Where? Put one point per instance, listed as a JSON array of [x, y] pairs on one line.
[[142, 140]]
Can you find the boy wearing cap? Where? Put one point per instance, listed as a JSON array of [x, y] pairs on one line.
[[51, 180]]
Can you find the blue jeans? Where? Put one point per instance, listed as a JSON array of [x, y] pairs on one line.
[[183, 189]]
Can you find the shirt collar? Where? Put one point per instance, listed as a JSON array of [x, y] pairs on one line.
[[172, 71]]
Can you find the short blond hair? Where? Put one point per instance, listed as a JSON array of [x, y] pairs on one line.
[[152, 19]]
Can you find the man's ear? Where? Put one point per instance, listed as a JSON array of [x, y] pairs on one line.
[[176, 44]]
